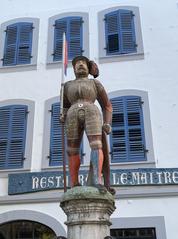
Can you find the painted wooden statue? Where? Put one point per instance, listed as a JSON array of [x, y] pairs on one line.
[[81, 114]]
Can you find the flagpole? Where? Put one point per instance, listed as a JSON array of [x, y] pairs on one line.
[[64, 52]]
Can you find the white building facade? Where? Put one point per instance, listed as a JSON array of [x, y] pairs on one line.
[[135, 46]]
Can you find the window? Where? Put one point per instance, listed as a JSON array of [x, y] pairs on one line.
[[72, 26], [120, 32], [75, 25], [25, 230], [131, 141], [128, 138], [133, 233], [13, 124], [138, 228], [19, 42]]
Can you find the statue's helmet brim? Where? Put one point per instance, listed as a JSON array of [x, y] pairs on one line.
[[81, 58]]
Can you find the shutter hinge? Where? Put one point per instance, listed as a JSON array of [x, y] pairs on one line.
[[23, 158], [2, 59], [141, 102], [53, 54], [145, 150], [82, 21], [133, 15], [135, 45], [51, 111], [32, 27], [54, 25], [48, 157], [27, 112], [30, 56], [104, 19], [106, 47], [82, 51], [6, 30]]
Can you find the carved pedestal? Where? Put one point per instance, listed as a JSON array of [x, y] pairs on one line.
[[88, 213]]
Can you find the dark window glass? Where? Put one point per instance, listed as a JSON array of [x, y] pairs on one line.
[[134, 233], [25, 230]]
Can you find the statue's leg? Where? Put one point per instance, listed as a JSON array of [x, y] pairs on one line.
[[74, 165], [74, 135], [96, 159], [73, 150]]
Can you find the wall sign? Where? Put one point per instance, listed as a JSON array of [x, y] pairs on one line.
[[40, 181]]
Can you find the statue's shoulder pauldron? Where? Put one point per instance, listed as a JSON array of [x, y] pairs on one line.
[[98, 85]]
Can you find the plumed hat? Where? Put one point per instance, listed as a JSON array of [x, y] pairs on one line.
[[92, 66]]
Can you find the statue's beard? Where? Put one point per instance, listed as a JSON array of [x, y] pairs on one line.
[[81, 73]]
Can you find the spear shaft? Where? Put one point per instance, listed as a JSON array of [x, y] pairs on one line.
[[64, 65]]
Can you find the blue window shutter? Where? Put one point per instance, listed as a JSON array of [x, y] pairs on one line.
[[55, 155], [18, 44], [120, 32], [74, 36], [127, 31], [10, 48], [112, 34], [24, 43], [72, 26], [13, 122], [127, 140], [60, 27]]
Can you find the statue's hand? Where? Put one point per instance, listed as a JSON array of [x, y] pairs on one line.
[[107, 128], [62, 118]]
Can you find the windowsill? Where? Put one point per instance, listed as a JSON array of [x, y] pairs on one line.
[[16, 68], [122, 57], [4, 172], [132, 165], [52, 168], [54, 64]]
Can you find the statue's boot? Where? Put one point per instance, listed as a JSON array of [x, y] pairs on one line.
[[74, 165], [96, 164]]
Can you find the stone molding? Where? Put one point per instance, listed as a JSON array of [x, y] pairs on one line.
[[88, 212]]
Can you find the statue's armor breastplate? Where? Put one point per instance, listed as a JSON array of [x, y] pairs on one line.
[[81, 90]]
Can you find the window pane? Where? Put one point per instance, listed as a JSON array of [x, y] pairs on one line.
[[25, 230], [113, 43], [134, 233]]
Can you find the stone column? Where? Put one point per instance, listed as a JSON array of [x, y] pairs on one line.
[[88, 212]]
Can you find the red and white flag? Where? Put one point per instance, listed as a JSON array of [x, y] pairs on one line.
[[64, 55]]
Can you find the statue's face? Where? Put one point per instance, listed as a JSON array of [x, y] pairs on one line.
[[81, 69]]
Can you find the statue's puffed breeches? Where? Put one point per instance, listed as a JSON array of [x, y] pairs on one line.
[[82, 116]]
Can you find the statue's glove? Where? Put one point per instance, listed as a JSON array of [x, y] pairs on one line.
[[62, 118], [107, 128]]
